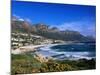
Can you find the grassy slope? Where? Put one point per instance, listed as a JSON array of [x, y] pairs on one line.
[[26, 63]]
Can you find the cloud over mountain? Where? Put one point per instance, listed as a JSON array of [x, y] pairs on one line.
[[84, 27]]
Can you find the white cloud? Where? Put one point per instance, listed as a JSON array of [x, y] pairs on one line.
[[20, 19], [28, 20], [16, 16], [84, 27]]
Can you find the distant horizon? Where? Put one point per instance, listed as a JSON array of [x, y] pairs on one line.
[[81, 18]]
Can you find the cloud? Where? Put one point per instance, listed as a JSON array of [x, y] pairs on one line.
[[22, 19], [28, 20], [84, 27], [18, 17]]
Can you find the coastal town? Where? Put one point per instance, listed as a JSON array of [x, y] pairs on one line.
[[24, 42]]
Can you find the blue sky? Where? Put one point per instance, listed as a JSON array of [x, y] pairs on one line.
[[63, 16]]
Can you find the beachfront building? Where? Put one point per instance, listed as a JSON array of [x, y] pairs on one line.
[[23, 39], [58, 41]]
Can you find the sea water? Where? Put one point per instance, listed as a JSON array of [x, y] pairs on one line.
[[72, 51]]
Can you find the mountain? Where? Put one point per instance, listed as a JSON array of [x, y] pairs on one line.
[[45, 31], [22, 26]]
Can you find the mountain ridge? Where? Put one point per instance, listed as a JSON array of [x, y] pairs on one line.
[[45, 31]]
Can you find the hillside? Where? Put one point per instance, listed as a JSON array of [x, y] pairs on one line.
[[45, 31]]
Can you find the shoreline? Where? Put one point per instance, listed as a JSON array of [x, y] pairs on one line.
[[29, 48], [33, 48]]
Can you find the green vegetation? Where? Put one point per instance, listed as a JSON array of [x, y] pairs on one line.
[[26, 63], [81, 64]]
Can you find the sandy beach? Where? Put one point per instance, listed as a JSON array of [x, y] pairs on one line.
[[24, 49]]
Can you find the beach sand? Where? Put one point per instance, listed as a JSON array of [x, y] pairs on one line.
[[24, 49]]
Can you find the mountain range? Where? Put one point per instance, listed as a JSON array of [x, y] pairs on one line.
[[48, 32]]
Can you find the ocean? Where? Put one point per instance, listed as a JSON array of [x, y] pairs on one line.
[[72, 51]]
